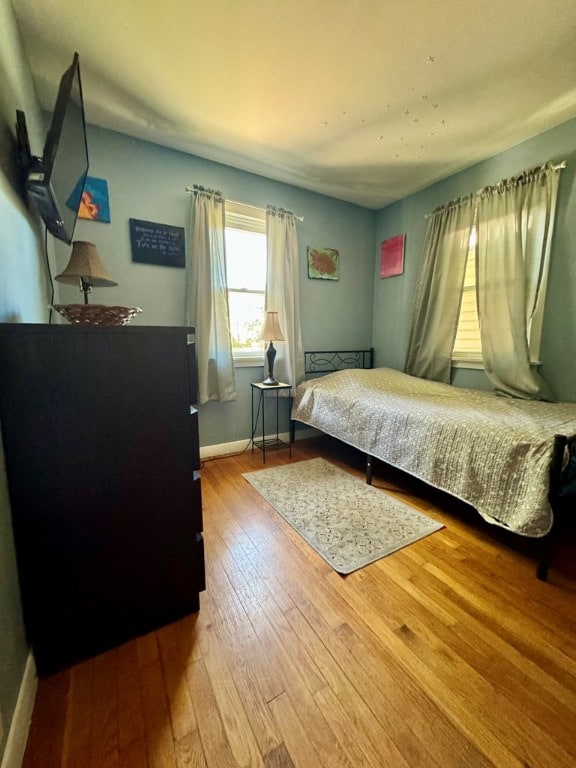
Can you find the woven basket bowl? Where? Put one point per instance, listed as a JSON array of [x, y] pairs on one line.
[[96, 314]]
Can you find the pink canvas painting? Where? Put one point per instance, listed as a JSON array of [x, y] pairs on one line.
[[392, 256]]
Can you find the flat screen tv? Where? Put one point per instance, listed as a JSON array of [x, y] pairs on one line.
[[55, 181]]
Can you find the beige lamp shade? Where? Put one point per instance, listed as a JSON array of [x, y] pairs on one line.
[[85, 265], [271, 330]]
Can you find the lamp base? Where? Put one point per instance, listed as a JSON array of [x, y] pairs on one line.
[[270, 381]]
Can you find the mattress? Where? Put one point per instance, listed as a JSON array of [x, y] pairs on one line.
[[493, 452]]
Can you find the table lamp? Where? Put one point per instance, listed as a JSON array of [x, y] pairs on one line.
[[86, 270], [270, 332]]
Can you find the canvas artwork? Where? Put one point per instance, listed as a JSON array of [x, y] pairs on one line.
[[323, 263], [94, 202], [392, 256]]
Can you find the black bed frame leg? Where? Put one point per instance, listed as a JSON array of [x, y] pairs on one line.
[[544, 559], [369, 469]]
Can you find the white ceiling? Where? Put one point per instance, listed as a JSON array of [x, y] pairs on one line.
[[366, 100]]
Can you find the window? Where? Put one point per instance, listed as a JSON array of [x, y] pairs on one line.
[[467, 347], [245, 235]]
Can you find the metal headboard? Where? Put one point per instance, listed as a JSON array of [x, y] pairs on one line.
[[338, 360]]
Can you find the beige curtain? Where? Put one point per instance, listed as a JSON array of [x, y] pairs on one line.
[[283, 292], [515, 226], [439, 291], [207, 297]]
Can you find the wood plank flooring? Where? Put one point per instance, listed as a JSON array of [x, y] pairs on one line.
[[446, 654]]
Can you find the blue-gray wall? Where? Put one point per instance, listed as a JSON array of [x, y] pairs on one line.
[[22, 299], [146, 181], [393, 296]]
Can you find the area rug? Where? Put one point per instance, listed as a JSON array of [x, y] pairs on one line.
[[348, 522]]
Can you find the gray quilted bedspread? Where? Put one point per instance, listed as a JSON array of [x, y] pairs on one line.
[[493, 452]]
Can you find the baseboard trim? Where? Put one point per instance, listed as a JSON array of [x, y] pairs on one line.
[[227, 449], [223, 449], [18, 734]]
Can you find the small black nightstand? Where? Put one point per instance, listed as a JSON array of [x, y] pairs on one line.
[[268, 443]]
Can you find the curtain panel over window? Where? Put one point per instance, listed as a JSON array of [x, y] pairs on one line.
[[515, 226], [283, 292], [439, 291], [207, 297], [515, 222]]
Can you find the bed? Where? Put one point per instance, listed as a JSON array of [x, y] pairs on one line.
[[513, 460]]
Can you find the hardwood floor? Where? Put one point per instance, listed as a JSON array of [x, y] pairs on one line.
[[448, 653]]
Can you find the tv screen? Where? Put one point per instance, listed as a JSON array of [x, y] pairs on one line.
[[56, 180]]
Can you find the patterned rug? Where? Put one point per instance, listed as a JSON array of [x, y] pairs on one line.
[[348, 522]]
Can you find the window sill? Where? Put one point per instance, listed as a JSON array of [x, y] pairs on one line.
[[252, 361], [476, 365]]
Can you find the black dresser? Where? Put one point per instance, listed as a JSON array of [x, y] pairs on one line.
[[102, 456]]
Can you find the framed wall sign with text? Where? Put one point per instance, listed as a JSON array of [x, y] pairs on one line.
[[154, 243]]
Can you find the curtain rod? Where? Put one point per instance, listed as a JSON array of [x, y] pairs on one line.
[[458, 200], [247, 205]]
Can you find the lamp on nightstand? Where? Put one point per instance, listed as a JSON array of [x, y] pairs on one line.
[[270, 332]]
